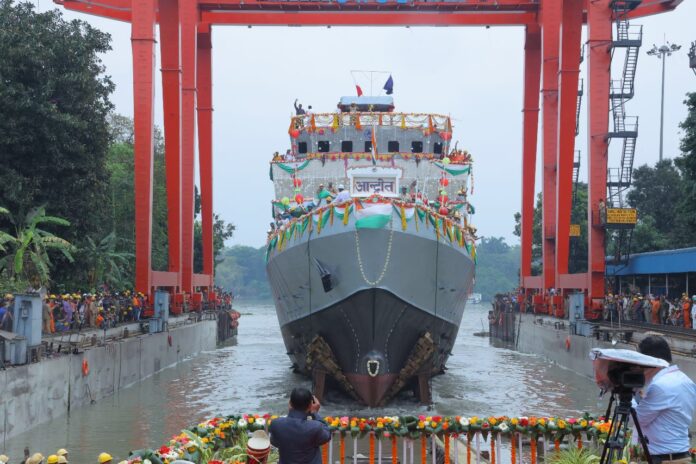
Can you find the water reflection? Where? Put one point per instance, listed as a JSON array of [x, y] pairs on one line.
[[255, 376]]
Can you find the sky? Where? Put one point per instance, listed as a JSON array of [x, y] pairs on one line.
[[472, 73]]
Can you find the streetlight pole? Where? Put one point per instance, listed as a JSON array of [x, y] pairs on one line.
[[661, 53]]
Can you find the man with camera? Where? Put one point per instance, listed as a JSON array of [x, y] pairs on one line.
[[299, 435], [665, 407]]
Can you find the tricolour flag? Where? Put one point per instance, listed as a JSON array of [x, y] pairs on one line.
[[373, 216]]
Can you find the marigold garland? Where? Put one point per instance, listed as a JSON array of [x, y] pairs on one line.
[[372, 448], [325, 454], [513, 449], [342, 448], [447, 449], [492, 450], [394, 450], [423, 448], [468, 448], [533, 450]]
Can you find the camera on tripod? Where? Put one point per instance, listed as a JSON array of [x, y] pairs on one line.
[[622, 372]]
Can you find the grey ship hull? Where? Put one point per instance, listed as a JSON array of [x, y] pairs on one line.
[[382, 300]]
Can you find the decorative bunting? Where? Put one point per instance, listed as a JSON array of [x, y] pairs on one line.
[[291, 168]]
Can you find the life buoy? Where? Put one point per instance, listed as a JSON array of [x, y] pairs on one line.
[[567, 343], [85, 368]]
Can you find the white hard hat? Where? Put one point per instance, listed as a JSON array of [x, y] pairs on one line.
[[341, 187]]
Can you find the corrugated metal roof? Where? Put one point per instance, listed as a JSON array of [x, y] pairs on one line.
[[657, 262]]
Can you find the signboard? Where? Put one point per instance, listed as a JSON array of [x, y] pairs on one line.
[[575, 230], [365, 182], [621, 217]]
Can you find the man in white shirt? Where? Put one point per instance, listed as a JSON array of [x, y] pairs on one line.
[[343, 195], [666, 406]]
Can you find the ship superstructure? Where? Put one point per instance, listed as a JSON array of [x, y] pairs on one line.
[[371, 254]]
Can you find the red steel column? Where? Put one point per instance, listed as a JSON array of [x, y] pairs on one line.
[[171, 96], [571, 29], [599, 21], [550, 27], [532, 76], [205, 141], [188, 18], [143, 44]]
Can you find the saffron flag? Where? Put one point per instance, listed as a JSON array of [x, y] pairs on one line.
[[389, 86], [357, 87]]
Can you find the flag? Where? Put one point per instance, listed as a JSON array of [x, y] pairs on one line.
[[374, 216], [389, 86], [374, 146], [357, 87]]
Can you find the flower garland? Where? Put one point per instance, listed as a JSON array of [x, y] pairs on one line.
[[200, 442]]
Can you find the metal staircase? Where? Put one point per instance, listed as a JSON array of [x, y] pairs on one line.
[[625, 128]]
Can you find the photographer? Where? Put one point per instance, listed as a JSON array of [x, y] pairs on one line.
[[299, 435], [665, 406]]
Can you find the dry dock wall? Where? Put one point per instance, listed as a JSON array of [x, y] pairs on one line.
[[36, 393], [572, 351]]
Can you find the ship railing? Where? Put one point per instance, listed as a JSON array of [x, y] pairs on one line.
[[450, 448], [456, 159], [444, 227], [426, 122]]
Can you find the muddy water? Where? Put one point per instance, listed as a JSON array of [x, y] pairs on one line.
[[255, 376]]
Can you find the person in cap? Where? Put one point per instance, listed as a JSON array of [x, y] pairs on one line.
[[62, 452], [343, 195], [300, 434], [4, 459], [36, 458], [52, 459], [666, 406], [62, 460], [104, 458]]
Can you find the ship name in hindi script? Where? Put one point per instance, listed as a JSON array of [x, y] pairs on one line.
[[366, 186]]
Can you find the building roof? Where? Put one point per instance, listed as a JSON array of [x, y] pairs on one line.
[[657, 262]]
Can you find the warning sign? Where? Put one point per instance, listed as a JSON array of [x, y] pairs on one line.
[[575, 230], [626, 217]]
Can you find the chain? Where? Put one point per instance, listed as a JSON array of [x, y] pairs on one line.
[[386, 261]]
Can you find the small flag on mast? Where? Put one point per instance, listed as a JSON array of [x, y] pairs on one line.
[[357, 87], [389, 85]]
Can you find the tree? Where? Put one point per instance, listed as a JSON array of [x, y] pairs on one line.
[[54, 99], [497, 268], [104, 264], [686, 208], [536, 234], [222, 231], [28, 258], [243, 270]]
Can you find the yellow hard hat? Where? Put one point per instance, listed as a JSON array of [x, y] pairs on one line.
[[52, 459], [62, 452], [104, 457]]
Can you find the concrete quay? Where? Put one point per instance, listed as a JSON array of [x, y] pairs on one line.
[[38, 392]]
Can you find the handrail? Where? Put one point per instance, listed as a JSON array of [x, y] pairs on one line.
[[458, 159], [426, 121]]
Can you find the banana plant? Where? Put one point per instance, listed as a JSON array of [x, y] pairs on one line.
[[105, 264], [26, 253]]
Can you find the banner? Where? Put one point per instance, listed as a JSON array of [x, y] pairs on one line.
[[454, 169]]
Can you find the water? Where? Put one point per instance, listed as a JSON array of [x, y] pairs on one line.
[[254, 376]]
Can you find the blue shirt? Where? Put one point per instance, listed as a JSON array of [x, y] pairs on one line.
[[665, 411], [298, 438]]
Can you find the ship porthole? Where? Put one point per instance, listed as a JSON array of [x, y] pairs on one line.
[[372, 367]]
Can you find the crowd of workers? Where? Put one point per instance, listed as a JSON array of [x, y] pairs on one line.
[[59, 457], [654, 309]]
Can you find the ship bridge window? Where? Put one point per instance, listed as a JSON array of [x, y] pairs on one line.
[[302, 148], [393, 146], [417, 146], [437, 148], [347, 146], [323, 146], [368, 146]]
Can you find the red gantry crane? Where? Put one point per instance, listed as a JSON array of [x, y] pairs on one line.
[[552, 53]]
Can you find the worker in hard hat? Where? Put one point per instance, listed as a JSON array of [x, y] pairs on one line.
[[62, 453], [4, 459], [105, 458], [52, 459], [36, 458], [62, 460]]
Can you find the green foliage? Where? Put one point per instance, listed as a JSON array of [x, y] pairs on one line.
[[27, 256], [243, 270], [222, 231], [573, 455], [104, 263], [53, 133], [686, 208], [498, 267]]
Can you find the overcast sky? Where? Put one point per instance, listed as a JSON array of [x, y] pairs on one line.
[[474, 74]]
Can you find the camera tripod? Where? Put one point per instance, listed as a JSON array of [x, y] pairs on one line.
[[616, 441]]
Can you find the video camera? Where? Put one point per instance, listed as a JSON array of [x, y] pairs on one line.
[[622, 370]]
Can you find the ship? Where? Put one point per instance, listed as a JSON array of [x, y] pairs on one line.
[[371, 255]]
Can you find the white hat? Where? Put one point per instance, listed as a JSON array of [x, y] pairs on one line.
[[341, 187], [259, 440]]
